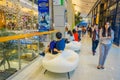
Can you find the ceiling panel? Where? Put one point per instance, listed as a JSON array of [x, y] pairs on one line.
[[83, 6]]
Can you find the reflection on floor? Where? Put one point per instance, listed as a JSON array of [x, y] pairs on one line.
[[85, 71]]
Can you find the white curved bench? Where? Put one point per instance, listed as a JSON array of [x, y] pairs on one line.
[[74, 45], [63, 62]]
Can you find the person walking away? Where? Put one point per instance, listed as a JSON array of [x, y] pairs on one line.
[[83, 31], [89, 30], [79, 33], [106, 39], [95, 38], [70, 38]]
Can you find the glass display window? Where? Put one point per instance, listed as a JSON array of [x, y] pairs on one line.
[[117, 29], [111, 2], [118, 9], [112, 9], [105, 6], [118, 20]]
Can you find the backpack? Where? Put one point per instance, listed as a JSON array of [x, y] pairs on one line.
[[52, 45]]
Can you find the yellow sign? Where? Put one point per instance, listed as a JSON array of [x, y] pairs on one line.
[[97, 19]]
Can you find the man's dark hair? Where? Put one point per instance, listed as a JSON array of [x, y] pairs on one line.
[[70, 33], [74, 31], [58, 35]]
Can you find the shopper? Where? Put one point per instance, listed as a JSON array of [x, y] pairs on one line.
[[55, 47], [66, 35], [83, 31], [79, 32], [95, 38], [75, 34], [89, 31], [66, 32], [106, 39], [70, 38]]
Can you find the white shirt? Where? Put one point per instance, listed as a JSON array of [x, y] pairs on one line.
[[105, 40]]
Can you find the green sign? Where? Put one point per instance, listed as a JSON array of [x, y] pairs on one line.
[[62, 2], [58, 2]]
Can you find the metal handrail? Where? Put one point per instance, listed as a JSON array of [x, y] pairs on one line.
[[21, 36]]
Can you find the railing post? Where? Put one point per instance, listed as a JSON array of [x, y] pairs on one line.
[[38, 45], [19, 54]]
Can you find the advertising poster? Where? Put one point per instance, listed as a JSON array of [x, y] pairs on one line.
[[43, 16]]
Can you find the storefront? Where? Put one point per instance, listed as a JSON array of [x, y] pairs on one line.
[[2, 16], [108, 10], [2, 19], [13, 16], [117, 25]]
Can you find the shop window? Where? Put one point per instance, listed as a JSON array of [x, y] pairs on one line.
[[111, 2], [98, 8], [2, 19], [117, 29], [118, 19], [118, 10], [112, 9], [101, 7], [107, 12], [105, 6]]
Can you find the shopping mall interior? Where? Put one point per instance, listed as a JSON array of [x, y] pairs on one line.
[[80, 46]]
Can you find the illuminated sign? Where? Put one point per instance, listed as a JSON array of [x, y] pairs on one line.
[[43, 18]]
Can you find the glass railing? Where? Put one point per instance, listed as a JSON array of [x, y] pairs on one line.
[[18, 50]]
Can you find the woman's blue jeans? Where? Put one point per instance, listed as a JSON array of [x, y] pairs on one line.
[[104, 49]]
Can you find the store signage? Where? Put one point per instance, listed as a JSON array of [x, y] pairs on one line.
[[43, 16], [58, 2]]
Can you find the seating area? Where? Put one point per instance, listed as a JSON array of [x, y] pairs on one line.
[[84, 71], [74, 45], [61, 63]]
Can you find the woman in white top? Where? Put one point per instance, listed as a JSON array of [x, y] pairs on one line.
[[66, 32], [70, 38], [106, 38]]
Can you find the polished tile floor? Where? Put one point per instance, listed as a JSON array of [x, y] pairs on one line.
[[85, 71]]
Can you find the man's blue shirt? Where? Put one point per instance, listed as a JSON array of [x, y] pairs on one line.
[[60, 45]]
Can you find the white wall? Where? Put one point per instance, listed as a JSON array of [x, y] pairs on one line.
[[70, 14], [59, 18]]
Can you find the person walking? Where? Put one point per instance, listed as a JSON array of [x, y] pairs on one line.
[[89, 30], [106, 39], [95, 38], [79, 32]]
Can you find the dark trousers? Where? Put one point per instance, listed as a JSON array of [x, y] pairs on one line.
[[79, 35], [94, 45], [90, 34]]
